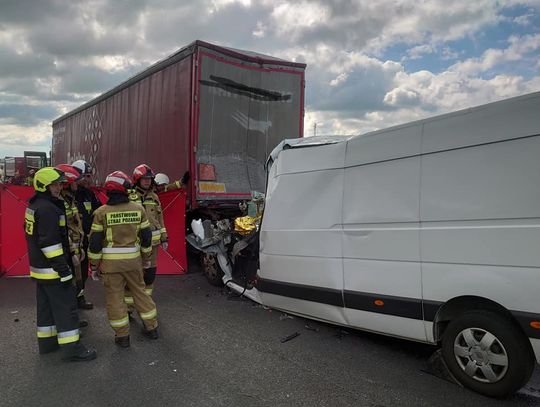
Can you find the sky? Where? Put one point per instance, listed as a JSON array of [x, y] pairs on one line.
[[371, 64]]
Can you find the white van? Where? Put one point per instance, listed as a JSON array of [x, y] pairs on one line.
[[428, 231]]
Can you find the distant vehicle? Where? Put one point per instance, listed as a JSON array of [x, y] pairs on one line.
[[19, 169], [427, 231]]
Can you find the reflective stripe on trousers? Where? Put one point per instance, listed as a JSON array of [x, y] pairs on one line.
[[46, 331], [68, 337], [149, 315], [119, 323]]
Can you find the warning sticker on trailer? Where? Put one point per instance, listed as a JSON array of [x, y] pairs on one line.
[[211, 187]]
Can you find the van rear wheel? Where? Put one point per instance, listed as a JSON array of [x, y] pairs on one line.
[[487, 353]]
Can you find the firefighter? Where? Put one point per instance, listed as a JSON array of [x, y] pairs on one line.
[[143, 178], [74, 223], [163, 184], [120, 235], [87, 203], [48, 253]]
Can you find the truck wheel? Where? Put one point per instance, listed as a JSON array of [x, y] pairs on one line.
[[487, 353], [211, 269]]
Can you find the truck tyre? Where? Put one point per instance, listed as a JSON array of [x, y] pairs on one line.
[[487, 353], [211, 269]]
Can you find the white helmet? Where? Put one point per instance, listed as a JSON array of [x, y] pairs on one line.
[[161, 179], [82, 166]]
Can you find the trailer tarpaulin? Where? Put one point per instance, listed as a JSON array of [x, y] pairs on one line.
[[13, 251]]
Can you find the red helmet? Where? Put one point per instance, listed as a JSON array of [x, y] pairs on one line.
[[142, 171], [70, 172], [117, 181]]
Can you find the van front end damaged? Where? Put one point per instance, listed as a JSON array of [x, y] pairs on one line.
[[230, 256]]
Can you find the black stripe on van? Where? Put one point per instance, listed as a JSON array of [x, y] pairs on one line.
[[381, 304], [384, 304], [303, 292], [430, 309], [527, 320], [404, 307]]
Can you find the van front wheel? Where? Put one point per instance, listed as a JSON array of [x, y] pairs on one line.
[[211, 269], [487, 353]]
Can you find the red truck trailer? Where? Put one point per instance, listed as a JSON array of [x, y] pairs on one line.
[[216, 112]]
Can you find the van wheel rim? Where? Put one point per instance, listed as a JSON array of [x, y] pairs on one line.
[[481, 355]]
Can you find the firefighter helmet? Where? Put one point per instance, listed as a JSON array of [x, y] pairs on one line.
[[161, 179], [70, 172], [47, 176], [82, 166], [117, 181], [142, 171]]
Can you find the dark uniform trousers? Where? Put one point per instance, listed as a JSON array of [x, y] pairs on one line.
[[84, 264], [57, 318]]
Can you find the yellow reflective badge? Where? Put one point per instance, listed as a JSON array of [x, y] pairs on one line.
[[120, 218], [29, 227]]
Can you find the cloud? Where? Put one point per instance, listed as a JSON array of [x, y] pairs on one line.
[[13, 137], [92, 80], [26, 115], [22, 65], [59, 54], [420, 50], [402, 97], [520, 48]]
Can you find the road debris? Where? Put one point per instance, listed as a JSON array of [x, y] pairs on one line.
[[341, 334], [291, 336], [310, 328]]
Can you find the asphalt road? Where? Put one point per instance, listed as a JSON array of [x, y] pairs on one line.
[[218, 351]]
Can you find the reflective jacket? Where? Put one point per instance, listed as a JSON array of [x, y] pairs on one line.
[[47, 239], [73, 221], [87, 203], [120, 235], [152, 205]]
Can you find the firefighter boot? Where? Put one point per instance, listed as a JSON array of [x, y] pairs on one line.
[[77, 352], [122, 341], [83, 304], [150, 333], [47, 345]]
